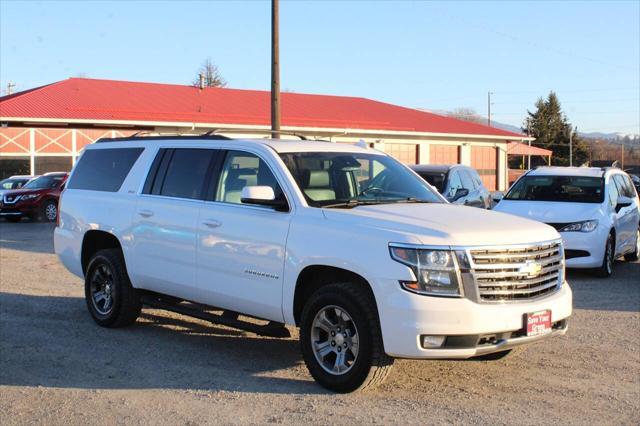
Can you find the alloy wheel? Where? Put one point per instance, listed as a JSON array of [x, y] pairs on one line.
[[102, 289], [51, 211], [334, 340]]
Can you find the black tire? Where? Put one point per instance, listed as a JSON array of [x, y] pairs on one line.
[[13, 219], [493, 356], [371, 365], [633, 256], [606, 269], [107, 273], [49, 211]]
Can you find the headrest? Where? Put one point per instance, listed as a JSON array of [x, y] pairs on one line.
[[318, 179], [241, 173]]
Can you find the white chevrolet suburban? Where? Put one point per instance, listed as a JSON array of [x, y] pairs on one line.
[[342, 241]]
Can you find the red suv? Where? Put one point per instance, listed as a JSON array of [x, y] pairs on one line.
[[38, 199]]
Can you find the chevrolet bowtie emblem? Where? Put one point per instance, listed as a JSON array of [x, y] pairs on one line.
[[530, 268]]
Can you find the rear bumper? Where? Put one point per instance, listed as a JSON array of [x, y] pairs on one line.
[[471, 329]]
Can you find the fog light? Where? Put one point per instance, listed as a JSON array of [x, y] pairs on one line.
[[431, 342]]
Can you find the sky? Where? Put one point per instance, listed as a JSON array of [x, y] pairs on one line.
[[432, 55]]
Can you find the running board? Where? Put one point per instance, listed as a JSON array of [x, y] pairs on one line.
[[227, 318]]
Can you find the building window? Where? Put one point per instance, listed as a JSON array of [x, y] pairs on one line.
[[52, 164], [10, 166]]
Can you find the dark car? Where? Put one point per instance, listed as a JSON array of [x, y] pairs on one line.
[[636, 182], [37, 199], [457, 183]]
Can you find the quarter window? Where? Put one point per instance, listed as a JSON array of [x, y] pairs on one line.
[[467, 182], [242, 169], [104, 169]]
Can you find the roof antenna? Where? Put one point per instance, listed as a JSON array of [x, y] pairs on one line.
[[201, 75]]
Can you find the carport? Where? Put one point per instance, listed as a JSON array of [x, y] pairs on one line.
[[519, 151]]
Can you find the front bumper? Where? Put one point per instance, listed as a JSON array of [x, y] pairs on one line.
[[592, 243], [19, 209], [405, 317]]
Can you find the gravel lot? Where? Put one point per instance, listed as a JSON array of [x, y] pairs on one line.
[[58, 367]]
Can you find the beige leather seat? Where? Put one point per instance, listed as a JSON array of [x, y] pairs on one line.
[[236, 180], [318, 186]]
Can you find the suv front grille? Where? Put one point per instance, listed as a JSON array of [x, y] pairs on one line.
[[518, 272]]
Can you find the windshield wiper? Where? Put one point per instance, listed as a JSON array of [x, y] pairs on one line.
[[353, 202], [410, 200]]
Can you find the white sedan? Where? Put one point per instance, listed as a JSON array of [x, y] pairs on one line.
[[595, 210]]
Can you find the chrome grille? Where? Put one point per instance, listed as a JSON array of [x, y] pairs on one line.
[[517, 272]]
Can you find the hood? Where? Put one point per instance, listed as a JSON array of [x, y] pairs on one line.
[[446, 224], [550, 211], [12, 193]]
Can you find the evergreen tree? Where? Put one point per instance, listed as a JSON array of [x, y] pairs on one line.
[[549, 125]]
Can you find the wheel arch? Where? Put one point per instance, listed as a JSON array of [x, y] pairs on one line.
[[313, 277], [95, 240]]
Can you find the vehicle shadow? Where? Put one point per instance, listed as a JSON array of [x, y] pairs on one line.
[[620, 292], [52, 341], [27, 235]]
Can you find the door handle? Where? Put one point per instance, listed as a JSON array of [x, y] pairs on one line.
[[211, 223], [145, 213]]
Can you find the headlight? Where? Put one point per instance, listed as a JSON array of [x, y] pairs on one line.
[[436, 271], [29, 197], [584, 226]]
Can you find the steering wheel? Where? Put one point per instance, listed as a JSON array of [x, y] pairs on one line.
[[371, 189]]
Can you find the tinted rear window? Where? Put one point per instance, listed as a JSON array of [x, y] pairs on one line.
[[435, 179], [104, 169]]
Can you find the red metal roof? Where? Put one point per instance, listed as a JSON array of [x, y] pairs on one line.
[[91, 99], [515, 148]]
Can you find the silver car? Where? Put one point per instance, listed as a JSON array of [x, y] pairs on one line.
[[459, 184]]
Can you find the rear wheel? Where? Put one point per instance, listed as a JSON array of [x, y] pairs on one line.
[[341, 340], [630, 257], [111, 300], [606, 269]]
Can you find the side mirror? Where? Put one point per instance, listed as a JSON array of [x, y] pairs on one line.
[[460, 193], [623, 202], [262, 196], [497, 196]]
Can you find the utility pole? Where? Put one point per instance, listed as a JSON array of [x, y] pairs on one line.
[[622, 162], [10, 86], [275, 70], [571, 148], [489, 108]]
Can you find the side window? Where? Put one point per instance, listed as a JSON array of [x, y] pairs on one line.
[[467, 182], [242, 169], [624, 186], [612, 189], [103, 169], [476, 178], [186, 170], [454, 183]]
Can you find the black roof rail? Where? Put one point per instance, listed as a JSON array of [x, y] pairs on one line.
[[269, 131], [163, 138]]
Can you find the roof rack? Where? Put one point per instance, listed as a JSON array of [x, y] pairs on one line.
[[147, 135], [269, 131]]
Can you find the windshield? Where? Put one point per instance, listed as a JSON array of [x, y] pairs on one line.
[[44, 182], [332, 179], [568, 189], [435, 179], [12, 183]]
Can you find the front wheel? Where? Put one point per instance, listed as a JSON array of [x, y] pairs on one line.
[[606, 269], [341, 340], [633, 256]]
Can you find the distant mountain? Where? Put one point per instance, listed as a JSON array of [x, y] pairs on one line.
[[613, 136]]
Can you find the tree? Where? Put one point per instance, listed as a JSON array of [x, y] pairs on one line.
[[212, 77], [549, 125], [466, 114]]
